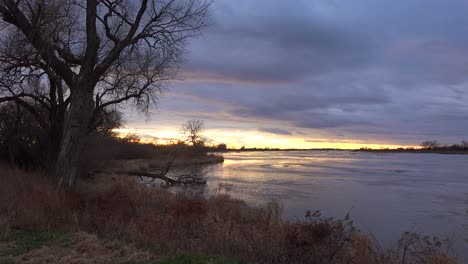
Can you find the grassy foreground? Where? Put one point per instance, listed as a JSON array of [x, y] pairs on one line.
[[52, 246], [114, 219]]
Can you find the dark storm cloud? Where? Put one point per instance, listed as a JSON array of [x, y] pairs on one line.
[[388, 70], [276, 131], [311, 111], [294, 103], [288, 40], [274, 41]]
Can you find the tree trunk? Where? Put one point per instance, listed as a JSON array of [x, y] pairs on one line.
[[53, 146], [56, 122], [74, 135]]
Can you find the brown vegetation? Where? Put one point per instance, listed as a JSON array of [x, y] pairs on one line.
[[111, 152], [118, 207], [80, 247]]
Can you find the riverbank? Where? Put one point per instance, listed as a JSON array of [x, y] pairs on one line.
[[163, 162], [154, 219]]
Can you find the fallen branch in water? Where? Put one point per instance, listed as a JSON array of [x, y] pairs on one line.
[[181, 179], [187, 178]]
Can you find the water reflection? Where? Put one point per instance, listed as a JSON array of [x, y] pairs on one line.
[[387, 194]]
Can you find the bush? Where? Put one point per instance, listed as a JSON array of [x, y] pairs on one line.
[[21, 138]]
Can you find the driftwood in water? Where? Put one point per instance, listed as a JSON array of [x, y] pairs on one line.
[[191, 178], [181, 179]]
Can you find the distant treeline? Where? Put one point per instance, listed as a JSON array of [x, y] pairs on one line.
[[432, 146], [281, 149], [429, 146]]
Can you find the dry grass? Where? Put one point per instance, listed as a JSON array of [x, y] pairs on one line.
[[82, 248], [110, 153], [117, 207]]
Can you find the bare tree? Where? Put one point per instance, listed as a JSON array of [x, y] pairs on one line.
[[464, 144], [193, 129], [430, 144], [81, 57]]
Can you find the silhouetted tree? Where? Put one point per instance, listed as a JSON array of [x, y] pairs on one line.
[[193, 129], [464, 144], [80, 57], [221, 147], [430, 144], [132, 138]]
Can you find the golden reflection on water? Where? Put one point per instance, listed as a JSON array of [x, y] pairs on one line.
[[230, 162], [278, 159]]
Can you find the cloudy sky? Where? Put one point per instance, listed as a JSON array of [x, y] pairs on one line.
[[323, 73]]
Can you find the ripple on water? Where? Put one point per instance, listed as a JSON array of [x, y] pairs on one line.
[[392, 190]]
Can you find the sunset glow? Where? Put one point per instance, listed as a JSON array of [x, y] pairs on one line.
[[252, 139], [331, 76]]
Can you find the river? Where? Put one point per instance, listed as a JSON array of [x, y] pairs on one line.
[[386, 194]]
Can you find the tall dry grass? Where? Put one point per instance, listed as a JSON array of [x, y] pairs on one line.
[[118, 207]]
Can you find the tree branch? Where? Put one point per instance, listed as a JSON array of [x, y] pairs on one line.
[[12, 14]]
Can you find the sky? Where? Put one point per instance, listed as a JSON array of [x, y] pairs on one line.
[[322, 74]]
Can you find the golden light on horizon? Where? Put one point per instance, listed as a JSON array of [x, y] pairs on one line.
[[254, 139]]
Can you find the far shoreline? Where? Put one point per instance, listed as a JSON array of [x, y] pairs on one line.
[[413, 151]]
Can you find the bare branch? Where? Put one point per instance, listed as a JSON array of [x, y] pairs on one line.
[[12, 14], [181, 180]]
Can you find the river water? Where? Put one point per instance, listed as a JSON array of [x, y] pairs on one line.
[[386, 194]]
